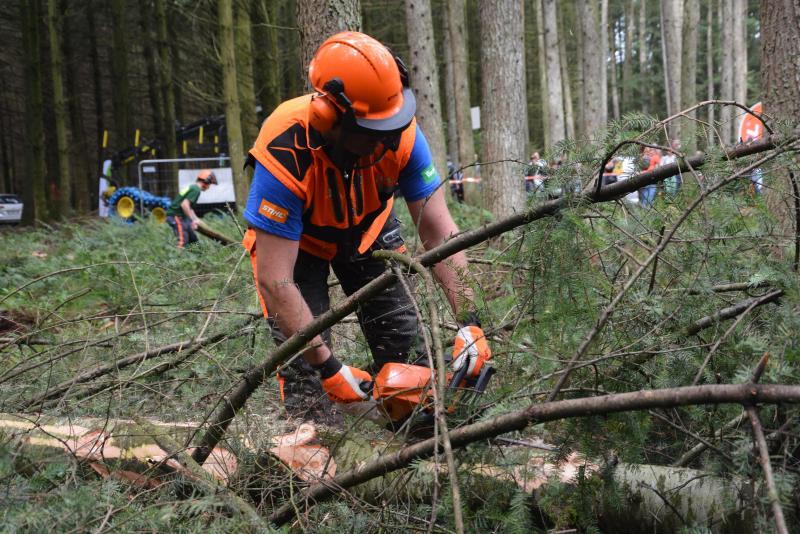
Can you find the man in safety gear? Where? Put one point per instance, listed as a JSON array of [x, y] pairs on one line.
[[180, 214], [327, 166]]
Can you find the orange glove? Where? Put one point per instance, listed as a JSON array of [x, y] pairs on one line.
[[471, 346], [341, 382]]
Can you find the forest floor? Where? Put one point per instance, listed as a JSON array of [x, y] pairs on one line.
[[84, 294]]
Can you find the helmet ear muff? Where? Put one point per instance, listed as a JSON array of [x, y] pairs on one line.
[[323, 114]]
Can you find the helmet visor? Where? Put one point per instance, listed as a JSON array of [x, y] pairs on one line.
[[394, 124]]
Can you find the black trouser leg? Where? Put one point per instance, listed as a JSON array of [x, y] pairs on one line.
[[388, 320]]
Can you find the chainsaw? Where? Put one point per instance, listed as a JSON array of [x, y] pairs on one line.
[[403, 395]]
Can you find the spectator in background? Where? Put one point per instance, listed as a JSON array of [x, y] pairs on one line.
[[456, 179], [756, 182], [672, 184], [535, 174], [649, 159], [610, 172], [180, 214]]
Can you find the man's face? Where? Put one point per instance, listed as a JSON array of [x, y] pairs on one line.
[[359, 143], [203, 186]]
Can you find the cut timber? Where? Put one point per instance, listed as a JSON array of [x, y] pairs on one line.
[[213, 234], [650, 498]]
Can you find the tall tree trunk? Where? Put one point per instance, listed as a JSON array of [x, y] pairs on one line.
[[33, 190], [60, 111], [449, 95], [613, 87], [503, 118], [267, 75], [642, 50], [739, 14], [593, 66], [547, 116], [97, 83], [425, 77], [166, 78], [627, 64], [711, 93], [120, 90], [456, 15], [672, 49], [569, 118], [79, 154], [604, 59], [689, 67], [726, 79], [319, 19], [151, 64], [230, 95], [780, 84], [244, 70], [553, 67]]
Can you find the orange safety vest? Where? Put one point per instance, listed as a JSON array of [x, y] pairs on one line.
[[341, 214]]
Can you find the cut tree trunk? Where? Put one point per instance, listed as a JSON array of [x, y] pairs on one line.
[[652, 498]]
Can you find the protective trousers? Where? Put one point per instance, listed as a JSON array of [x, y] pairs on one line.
[[388, 320], [183, 230]]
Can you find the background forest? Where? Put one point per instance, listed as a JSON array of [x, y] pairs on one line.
[[646, 355]]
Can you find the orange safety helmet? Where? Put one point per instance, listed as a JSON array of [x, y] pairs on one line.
[[207, 177], [360, 82]]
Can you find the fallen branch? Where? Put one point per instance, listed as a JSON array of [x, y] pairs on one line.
[[231, 402], [539, 413], [763, 458], [101, 370], [213, 234], [732, 311]]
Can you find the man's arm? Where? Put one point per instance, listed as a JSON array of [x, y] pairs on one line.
[[186, 206], [283, 298], [435, 224]]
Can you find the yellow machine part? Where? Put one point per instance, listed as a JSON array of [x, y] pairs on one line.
[[159, 215], [125, 207]]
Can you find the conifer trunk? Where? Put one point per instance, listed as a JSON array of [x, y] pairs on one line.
[[33, 190], [739, 15], [60, 110], [504, 120], [244, 70], [97, 84], [120, 85], [319, 19], [267, 75], [711, 92], [555, 94], [425, 77], [449, 95], [456, 17], [689, 68], [166, 79], [627, 64], [543, 84], [726, 79], [672, 50], [79, 155], [230, 95], [566, 82], [593, 66]]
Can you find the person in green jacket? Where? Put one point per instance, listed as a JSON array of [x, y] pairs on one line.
[[180, 214]]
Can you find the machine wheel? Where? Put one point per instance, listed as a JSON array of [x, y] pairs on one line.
[[158, 214], [125, 207]]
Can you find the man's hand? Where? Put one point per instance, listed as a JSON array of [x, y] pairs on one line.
[[471, 346], [341, 382], [195, 223]]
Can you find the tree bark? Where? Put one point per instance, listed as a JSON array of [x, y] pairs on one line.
[[612, 69], [424, 77], [689, 71], [456, 18], [569, 117], [780, 85], [642, 55], [166, 78], [244, 70], [671, 48], [449, 95], [230, 95], [543, 84], [317, 20], [593, 66], [267, 75], [79, 153], [726, 79], [120, 90], [627, 65], [504, 120], [711, 137], [60, 111], [33, 191], [739, 15], [555, 95]]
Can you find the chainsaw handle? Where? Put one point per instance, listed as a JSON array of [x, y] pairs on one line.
[[367, 387], [458, 376]]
